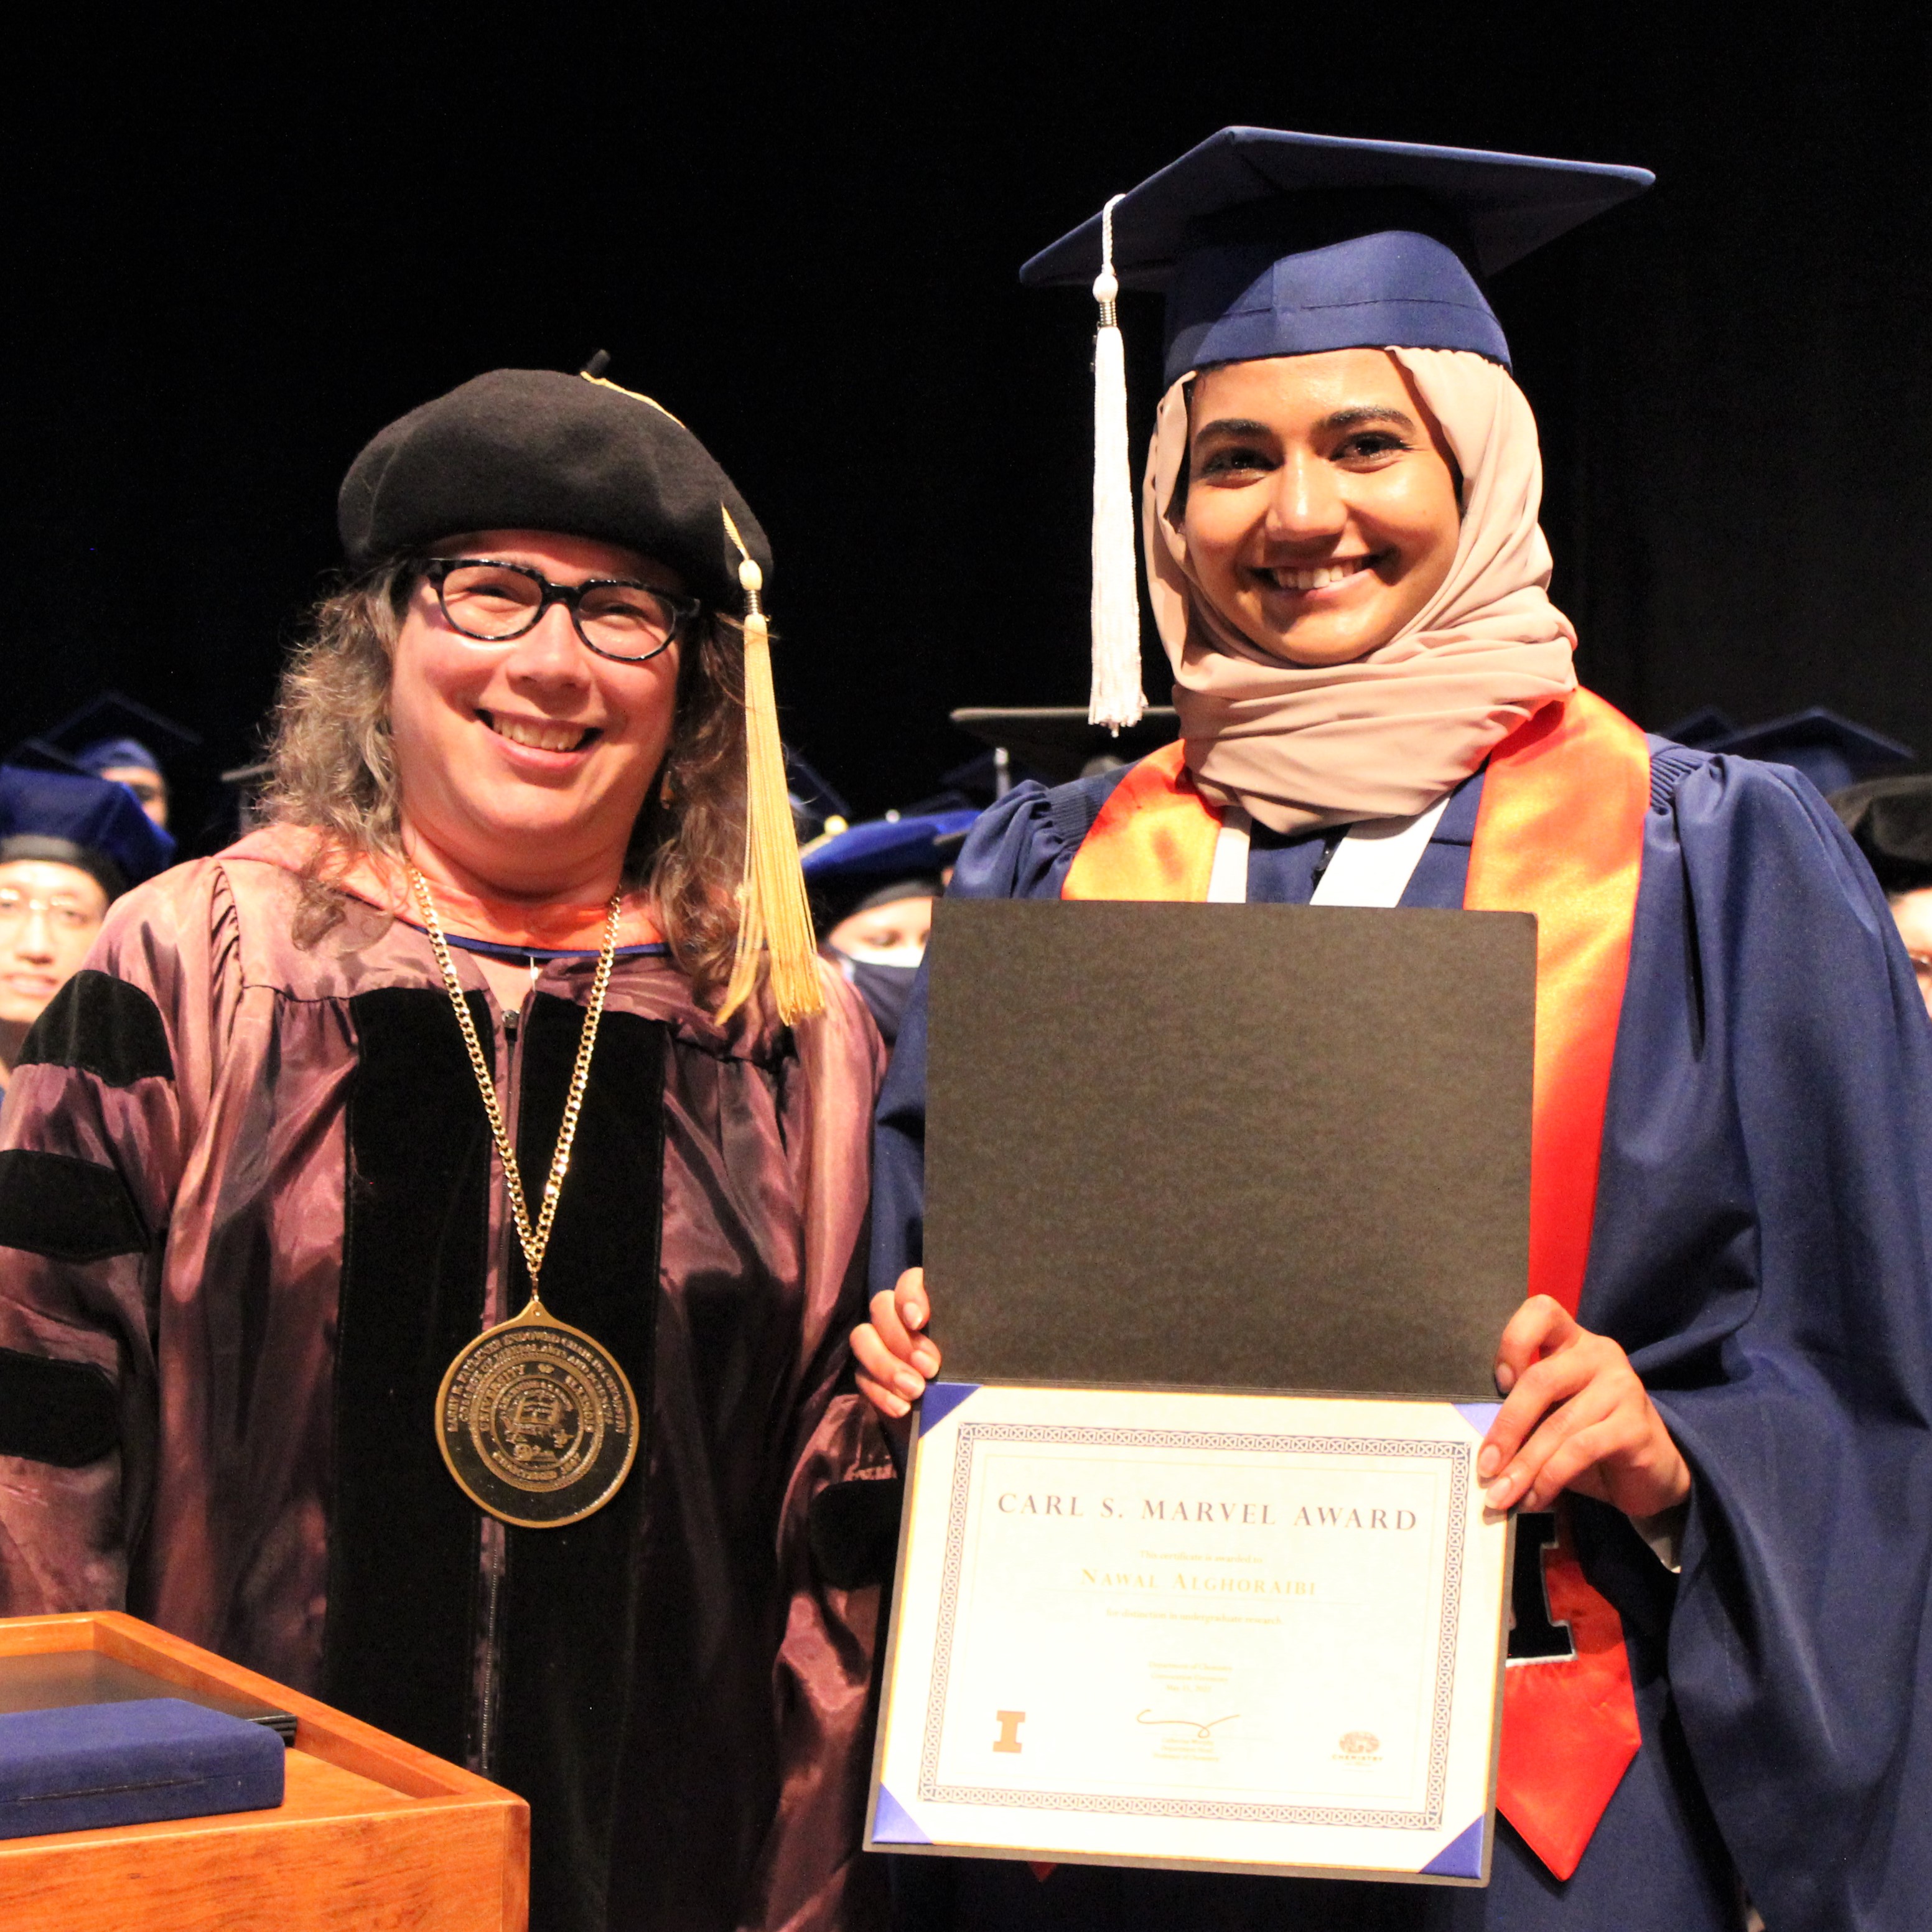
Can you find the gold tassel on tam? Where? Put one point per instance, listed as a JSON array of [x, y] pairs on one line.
[[774, 915]]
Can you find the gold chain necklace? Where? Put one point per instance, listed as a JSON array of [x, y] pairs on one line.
[[536, 1421]]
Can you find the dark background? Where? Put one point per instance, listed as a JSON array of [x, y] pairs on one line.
[[236, 247]]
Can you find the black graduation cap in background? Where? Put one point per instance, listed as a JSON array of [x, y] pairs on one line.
[[1891, 818], [96, 735], [1056, 744], [1832, 751]]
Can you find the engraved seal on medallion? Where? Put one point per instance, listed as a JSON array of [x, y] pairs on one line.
[[537, 1423]]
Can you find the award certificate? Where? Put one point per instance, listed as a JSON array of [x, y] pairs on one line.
[[1239, 1632]]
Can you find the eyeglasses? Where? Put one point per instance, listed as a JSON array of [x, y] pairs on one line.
[[495, 602], [17, 906]]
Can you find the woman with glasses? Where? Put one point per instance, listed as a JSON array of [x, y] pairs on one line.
[[465, 1175]]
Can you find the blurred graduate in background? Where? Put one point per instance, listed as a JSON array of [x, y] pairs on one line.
[[1890, 819], [872, 888], [69, 847], [113, 737]]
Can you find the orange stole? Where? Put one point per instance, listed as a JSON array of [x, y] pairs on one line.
[[1560, 834]]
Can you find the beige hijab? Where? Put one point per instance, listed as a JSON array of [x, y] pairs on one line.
[[1387, 735]]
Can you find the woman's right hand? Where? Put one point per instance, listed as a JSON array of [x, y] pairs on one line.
[[895, 1359]]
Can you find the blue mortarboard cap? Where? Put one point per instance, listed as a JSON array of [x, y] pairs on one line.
[[80, 821], [111, 723], [1702, 728], [869, 863], [1268, 243], [108, 755], [885, 849], [1831, 750]]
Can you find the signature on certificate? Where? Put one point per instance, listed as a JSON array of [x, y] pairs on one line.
[[1194, 1724]]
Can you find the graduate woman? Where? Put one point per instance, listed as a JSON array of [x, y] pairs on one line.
[[1722, 1382], [508, 1000]]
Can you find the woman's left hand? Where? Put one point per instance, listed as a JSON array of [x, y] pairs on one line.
[[1575, 1416]]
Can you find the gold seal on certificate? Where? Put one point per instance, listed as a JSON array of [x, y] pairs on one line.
[[1244, 1632], [538, 1424]]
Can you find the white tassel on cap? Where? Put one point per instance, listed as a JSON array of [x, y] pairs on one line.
[[775, 934], [1117, 698]]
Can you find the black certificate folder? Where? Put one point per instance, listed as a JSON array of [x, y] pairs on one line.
[[1228, 1146]]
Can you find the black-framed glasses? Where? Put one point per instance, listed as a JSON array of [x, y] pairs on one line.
[[494, 602]]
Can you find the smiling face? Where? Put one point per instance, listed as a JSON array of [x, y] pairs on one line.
[[523, 765], [1321, 513], [49, 915]]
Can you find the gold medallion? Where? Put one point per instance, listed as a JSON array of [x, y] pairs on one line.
[[537, 1422]]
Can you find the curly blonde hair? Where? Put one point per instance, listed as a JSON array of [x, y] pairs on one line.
[[333, 768]]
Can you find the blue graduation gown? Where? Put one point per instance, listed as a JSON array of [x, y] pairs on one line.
[[1761, 1248]]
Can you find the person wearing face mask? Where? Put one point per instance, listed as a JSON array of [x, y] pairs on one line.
[[69, 846], [873, 887], [461, 1184], [1721, 1382]]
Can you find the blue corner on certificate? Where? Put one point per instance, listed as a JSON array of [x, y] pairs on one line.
[[892, 1824], [1464, 1856], [940, 1400], [1259, 1632]]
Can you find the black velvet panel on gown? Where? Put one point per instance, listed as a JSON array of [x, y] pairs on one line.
[[403, 1610]]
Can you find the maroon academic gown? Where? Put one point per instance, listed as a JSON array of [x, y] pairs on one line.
[[249, 1210]]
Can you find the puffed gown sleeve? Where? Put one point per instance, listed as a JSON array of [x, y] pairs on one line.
[[1761, 1248], [838, 1524], [99, 1117]]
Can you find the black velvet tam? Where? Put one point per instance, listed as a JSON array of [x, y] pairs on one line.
[[531, 449]]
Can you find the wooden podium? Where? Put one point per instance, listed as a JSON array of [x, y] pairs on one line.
[[373, 1835]]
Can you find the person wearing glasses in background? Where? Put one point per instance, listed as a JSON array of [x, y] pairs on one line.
[[527, 908], [69, 847]]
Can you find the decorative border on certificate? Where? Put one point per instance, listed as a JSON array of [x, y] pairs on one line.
[[1458, 1457]]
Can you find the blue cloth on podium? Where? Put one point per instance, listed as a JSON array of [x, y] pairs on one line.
[[1761, 1248], [87, 1767]]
